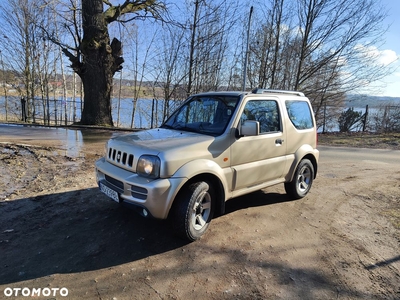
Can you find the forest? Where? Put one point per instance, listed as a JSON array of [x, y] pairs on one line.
[[98, 50]]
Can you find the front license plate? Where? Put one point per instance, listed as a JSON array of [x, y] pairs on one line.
[[109, 192]]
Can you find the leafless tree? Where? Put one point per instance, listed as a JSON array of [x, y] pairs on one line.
[[209, 41], [18, 33], [139, 63], [169, 74], [94, 56], [386, 118], [324, 48], [315, 46]]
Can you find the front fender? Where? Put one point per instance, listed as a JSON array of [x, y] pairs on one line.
[[203, 167]]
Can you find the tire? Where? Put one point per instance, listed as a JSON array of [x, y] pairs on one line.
[[193, 211], [302, 180]]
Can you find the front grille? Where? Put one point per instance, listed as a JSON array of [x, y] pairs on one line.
[[120, 157]]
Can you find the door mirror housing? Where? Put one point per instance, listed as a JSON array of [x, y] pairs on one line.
[[250, 128]]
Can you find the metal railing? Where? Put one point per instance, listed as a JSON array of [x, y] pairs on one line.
[[147, 113]]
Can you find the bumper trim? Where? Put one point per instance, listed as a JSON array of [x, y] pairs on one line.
[[154, 196]]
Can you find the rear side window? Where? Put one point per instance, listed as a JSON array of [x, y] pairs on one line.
[[300, 114]]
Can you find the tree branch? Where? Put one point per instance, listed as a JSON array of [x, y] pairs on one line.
[[130, 6], [116, 47], [76, 65]]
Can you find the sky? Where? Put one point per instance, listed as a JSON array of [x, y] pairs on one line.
[[391, 48]]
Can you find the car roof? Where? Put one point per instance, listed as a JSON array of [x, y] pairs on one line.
[[220, 93], [255, 91]]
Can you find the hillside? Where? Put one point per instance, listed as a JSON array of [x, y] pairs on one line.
[[371, 101]]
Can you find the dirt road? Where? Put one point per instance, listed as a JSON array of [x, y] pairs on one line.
[[58, 232]]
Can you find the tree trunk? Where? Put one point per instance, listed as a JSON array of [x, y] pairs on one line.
[[192, 48], [97, 86], [97, 70]]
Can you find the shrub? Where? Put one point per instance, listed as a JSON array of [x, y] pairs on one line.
[[386, 119], [349, 120]]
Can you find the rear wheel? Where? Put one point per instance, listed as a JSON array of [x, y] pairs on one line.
[[193, 211], [302, 180]]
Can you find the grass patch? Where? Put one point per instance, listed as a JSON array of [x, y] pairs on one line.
[[361, 139]]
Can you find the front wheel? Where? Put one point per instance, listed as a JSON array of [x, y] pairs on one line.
[[302, 180], [193, 210]]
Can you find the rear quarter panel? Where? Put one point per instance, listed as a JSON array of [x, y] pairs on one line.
[[300, 143]]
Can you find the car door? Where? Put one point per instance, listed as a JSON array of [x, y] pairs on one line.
[[260, 158]]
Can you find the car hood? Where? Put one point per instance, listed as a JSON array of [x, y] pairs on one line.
[[173, 147], [160, 140]]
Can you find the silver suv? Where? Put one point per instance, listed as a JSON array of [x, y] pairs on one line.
[[216, 146]]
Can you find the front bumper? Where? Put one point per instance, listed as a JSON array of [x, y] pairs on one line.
[[153, 196]]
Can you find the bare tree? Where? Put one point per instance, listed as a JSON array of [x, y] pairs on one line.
[[4, 80], [45, 56], [209, 30], [314, 46], [267, 45], [321, 47], [139, 66], [169, 74], [330, 38], [95, 57], [386, 118], [17, 32]]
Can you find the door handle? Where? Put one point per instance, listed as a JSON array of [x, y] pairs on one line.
[[279, 141]]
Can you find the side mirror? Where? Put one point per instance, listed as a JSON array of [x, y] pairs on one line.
[[250, 128]]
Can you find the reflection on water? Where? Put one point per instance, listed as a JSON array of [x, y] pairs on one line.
[[76, 139], [73, 142], [69, 142]]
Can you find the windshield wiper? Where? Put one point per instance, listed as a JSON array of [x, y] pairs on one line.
[[185, 128], [179, 127], [166, 126]]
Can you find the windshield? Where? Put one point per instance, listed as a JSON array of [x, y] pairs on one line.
[[203, 114]]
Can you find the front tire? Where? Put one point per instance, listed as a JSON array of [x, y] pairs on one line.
[[193, 210], [302, 180]]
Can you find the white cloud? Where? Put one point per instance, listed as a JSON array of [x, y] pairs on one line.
[[386, 57], [382, 57]]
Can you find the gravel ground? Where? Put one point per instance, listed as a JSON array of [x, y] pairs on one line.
[[59, 232]]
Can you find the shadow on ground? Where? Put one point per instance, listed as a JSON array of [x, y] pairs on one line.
[[83, 230], [255, 199]]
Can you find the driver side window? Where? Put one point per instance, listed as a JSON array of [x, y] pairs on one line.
[[266, 112]]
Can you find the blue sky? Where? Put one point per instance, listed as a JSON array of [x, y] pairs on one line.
[[391, 48], [389, 51]]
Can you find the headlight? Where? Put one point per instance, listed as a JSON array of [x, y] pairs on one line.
[[148, 166]]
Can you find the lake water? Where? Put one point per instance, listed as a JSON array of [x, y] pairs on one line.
[[148, 112]]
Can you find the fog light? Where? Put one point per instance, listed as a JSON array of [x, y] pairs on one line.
[[145, 213]]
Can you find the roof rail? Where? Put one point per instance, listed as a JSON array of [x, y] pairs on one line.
[[265, 91]]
